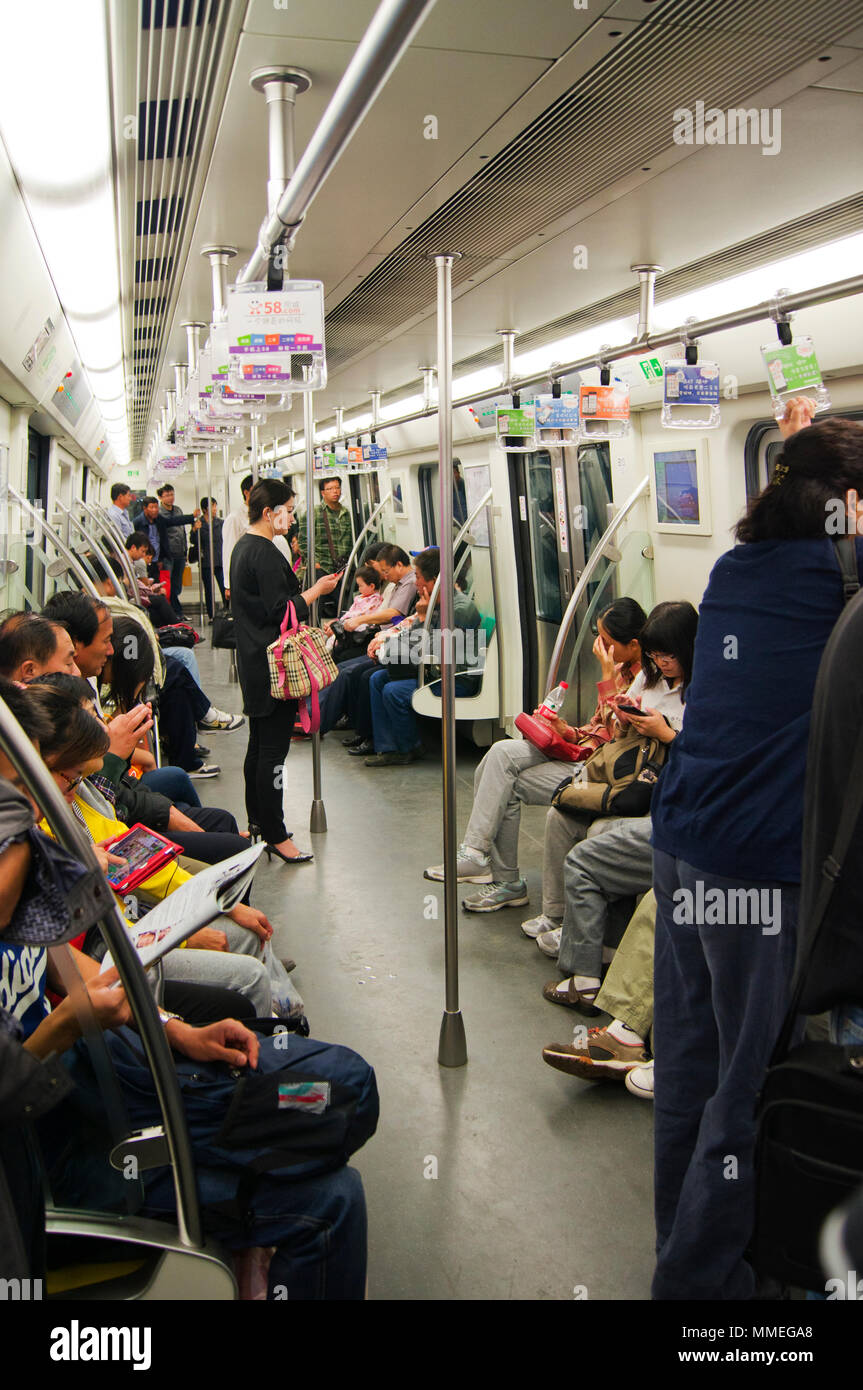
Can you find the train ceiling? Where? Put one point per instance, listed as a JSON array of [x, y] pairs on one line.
[[553, 128]]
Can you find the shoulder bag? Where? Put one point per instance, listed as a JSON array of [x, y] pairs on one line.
[[300, 666], [548, 741], [619, 778]]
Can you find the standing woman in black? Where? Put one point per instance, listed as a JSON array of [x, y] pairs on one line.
[[261, 584]]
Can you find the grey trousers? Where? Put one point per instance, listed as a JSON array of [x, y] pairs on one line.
[[250, 966], [513, 773], [241, 967], [561, 833], [616, 864]]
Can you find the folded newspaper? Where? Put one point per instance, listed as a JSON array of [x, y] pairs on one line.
[[193, 905]]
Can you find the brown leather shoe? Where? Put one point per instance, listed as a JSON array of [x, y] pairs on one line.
[[600, 1058], [571, 997]]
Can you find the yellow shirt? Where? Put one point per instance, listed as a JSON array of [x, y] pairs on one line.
[[159, 884]]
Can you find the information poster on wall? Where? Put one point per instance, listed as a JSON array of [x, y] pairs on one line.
[[477, 481]]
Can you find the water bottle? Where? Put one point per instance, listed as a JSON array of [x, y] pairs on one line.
[[554, 700]]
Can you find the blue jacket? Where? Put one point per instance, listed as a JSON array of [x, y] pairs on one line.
[[730, 800]]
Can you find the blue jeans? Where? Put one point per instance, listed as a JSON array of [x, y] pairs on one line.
[[721, 995], [394, 724], [186, 657], [336, 699], [173, 783]]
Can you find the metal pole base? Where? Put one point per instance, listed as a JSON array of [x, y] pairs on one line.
[[452, 1044], [233, 676], [318, 818]]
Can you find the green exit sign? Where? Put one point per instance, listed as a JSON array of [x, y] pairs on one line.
[[651, 367]]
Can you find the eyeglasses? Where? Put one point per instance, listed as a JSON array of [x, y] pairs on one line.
[[71, 782]]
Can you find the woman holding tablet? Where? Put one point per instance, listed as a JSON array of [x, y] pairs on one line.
[[262, 584]]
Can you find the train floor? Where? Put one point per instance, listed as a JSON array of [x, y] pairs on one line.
[[543, 1186]]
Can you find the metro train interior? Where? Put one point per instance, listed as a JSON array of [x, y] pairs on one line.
[[595, 191]]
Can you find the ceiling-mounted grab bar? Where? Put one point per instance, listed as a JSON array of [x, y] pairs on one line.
[[37, 779], [374, 516], [805, 299], [393, 25], [584, 579]]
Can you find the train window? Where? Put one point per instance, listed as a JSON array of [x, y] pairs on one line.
[[543, 537]]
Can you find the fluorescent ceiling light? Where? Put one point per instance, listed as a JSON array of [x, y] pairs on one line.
[[58, 137], [837, 260], [405, 407], [359, 423], [476, 381]]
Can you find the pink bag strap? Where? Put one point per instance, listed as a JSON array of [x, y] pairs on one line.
[[290, 626]]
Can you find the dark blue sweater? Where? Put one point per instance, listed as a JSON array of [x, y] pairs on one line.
[[730, 800]]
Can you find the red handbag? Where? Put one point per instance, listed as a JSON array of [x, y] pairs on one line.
[[544, 737]]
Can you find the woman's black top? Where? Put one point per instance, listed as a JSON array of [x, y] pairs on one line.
[[261, 584]]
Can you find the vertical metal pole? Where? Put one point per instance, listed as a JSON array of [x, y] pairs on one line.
[[647, 274], [218, 256], [318, 815], [508, 337], [253, 432], [200, 558], [452, 1044], [210, 529]]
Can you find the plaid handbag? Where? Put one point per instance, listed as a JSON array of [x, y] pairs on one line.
[[300, 666]]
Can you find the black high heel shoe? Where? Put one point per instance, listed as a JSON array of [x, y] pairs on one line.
[[271, 852]]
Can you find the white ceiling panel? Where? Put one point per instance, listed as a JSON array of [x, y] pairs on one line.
[[674, 218], [542, 29], [389, 166], [848, 79]]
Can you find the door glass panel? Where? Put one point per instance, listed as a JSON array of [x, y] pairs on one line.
[[542, 524]]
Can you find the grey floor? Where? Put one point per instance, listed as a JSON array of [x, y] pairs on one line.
[[544, 1182]]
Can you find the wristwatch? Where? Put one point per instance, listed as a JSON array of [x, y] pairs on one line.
[[165, 1017]]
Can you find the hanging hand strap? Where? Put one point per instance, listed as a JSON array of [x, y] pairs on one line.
[[831, 869]]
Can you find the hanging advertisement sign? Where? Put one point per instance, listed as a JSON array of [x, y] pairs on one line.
[[557, 419], [516, 422], [266, 328], [690, 395], [793, 370], [373, 454], [604, 411]]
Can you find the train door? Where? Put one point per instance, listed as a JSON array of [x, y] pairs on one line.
[[560, 500], [364, 496]]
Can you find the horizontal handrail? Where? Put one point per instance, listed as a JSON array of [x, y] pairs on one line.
[[584, 579], [721, 323]]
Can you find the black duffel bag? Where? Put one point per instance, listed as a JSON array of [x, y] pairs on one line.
[[222, 635]]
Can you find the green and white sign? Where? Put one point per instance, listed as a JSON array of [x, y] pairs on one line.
[[519, 423], [651, 368], [792, 368]]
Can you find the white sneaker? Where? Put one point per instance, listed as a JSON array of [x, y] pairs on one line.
[[206, 770], [534, 925], [220, 719], [639, 1080], [549, 942], [469, 869]]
